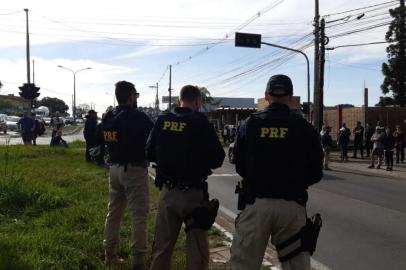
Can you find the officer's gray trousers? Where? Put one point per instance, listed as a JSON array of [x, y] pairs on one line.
[[128, 187], [277, 218], [174, 206]]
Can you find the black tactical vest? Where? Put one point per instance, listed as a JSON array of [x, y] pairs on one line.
[[177, 147], [275, 160], [125, 141]]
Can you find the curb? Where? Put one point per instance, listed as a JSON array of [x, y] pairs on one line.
[[362, 173]]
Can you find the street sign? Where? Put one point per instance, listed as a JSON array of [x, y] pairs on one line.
[[247, 40]]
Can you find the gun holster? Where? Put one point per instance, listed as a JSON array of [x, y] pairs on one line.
[[203, 217], [244, 196], [307, 237]]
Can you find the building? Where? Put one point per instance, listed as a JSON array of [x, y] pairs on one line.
[[390, 116], [17, 104], [225, 110], [294, 105]]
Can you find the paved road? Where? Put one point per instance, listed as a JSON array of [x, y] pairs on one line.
[[364, 218], [45, 139]]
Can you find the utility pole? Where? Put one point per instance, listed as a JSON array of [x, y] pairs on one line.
[[156, 97], [402, 56], [170, 87], [316, 93], [27, 47], [323, 43]]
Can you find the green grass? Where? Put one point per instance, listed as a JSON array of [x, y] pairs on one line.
[[52, 210]]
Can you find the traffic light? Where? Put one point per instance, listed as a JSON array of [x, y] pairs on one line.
[[247, 40], [305, 107], [29, 91]]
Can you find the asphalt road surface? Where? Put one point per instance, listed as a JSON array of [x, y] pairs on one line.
[[364, 218], [44, 140]]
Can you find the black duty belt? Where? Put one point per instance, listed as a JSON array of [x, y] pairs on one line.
[[133, 163], [184, 186]]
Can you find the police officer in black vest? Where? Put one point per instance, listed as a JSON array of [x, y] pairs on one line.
[[125, 132], [279, 156], [185, 148]]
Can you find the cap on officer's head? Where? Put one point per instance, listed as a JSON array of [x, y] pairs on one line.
[[279, 86]]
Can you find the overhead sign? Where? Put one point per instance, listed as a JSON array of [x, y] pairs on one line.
[[247, 40]]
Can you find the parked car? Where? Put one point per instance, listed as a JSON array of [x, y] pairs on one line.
[[47, 120], [12, 123], [68, 120], [3, 123]]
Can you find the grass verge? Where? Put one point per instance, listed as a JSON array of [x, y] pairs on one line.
[[52, 210]]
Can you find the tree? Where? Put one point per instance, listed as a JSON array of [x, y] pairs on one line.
[[207, 99], [6, 105], [395, 70], [54, 105], [82, 109], [385, 101]]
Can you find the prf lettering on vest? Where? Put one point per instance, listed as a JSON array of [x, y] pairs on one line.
[[274, 132], [110, 136], [174, 126]]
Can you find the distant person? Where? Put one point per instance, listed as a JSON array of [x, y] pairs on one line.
[[26, 125], [89, 132], [343, 141], [369, 131], [57, 140], [39, 129], [233, 133], [399, 144], [225, 133], [56, 124], [358, 140], [327, 144], [389, 147], [378, 150]]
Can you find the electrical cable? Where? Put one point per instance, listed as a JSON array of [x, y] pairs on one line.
[[356, 9]]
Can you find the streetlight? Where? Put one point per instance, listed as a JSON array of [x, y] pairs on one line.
[[74, 88], [254, 41]]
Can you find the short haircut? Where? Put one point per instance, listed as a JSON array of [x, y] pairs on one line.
[[189, 93], [123, 91]]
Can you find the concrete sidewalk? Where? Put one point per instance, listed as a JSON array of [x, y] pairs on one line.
[[360, 166]]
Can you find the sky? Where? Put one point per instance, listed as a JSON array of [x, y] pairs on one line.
[[138, 40]]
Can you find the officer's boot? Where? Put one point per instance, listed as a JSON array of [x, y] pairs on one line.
[[111, 257]]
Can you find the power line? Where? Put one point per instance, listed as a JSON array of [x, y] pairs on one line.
[[357, 45], [361, 8], [250, 20]]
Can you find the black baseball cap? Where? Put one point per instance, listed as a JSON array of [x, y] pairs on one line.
[[91, 111], [279, 86]]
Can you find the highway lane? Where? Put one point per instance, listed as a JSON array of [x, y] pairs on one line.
[[364, 218], [43, 140]]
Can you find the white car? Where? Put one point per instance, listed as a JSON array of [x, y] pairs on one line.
[[12, 123]]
